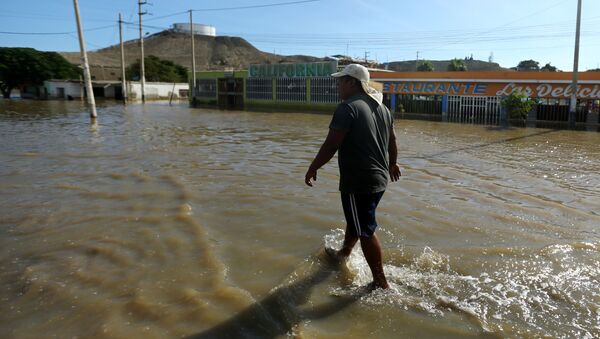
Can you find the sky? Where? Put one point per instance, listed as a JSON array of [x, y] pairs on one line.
[[384, 30]]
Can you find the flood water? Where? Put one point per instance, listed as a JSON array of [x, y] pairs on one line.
[[162, 222]]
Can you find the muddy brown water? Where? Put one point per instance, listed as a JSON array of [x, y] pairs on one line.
[[162, 222]]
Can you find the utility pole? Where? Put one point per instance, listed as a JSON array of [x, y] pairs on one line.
[[123, 82], [193, 89], [142, 73], [81, 93], [366, 56], [86, 67], [573, 105]]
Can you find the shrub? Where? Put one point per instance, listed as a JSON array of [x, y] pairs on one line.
[[518, 105]]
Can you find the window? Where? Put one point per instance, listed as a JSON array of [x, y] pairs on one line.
[[291, 89], [206, 88], [259, 88], [324, 90]]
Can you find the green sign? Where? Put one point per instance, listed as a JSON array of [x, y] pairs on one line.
[[292, 70]]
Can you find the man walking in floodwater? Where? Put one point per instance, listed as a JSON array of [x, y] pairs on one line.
[[362, 130]]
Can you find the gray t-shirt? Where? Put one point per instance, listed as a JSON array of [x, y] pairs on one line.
[[363, 155]]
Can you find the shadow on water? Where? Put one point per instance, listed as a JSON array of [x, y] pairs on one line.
[[281, 310]]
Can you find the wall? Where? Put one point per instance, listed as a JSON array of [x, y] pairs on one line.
[[154, 90], [273, 94], [72, 89]]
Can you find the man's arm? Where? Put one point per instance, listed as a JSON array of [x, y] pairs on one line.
[[393, 156], [326, 152]]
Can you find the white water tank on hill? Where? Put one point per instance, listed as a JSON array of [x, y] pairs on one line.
[[199, 29]]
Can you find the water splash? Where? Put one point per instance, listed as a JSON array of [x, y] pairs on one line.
[[519, 292]]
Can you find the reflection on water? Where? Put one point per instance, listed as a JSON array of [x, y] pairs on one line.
[[164, 221]]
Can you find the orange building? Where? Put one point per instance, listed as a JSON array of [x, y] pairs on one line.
[[477, 95]]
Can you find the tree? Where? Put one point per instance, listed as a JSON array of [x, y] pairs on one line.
[[27, 66], [425, 66], [548, 68], [518, 105], [528, 65], [157, 69], [594, 70], [457, 65]]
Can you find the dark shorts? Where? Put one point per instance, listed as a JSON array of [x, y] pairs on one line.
[[359, 210]]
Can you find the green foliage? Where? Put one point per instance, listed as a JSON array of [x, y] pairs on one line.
[[528, 65], [457, 65], [27, 66], [157, 69], [594, 70], [518, 105], [548, 68], [425, 66]]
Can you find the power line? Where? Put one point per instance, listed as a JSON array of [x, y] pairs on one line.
[[56, 33], [232, 8], [46, 17], [557, 27], [254, 6], [166, 16]]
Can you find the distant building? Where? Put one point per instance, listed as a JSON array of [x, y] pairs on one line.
[[199, 29], [74, 89]]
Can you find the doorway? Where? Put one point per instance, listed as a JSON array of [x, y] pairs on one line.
[[231, 93]]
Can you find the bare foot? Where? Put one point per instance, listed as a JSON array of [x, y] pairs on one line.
[[374, 285], [335, 255]]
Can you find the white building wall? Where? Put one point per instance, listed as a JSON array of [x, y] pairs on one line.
[[155, 90], [53, 87]]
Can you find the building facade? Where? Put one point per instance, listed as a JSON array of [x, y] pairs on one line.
[[286, 86], [468, 97], [476, 96]]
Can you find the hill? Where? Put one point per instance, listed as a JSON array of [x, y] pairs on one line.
[[442, 65], [216, 53], [212, 53]]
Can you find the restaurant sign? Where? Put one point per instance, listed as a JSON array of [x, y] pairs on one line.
[[554, 91], [293, 70], [538, 90]]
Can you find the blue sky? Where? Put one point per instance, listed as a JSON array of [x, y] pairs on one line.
[[388, 30]]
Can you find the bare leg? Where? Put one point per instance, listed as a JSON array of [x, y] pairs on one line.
[[372, 251], [349, 242]]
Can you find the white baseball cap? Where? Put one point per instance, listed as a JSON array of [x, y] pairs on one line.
[[361, 73]]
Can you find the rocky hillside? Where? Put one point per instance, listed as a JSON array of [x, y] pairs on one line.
[[212, 53], [442, 66]]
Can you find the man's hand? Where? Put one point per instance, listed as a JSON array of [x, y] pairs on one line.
[[311, 175], [395, 173], [330, 146]]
